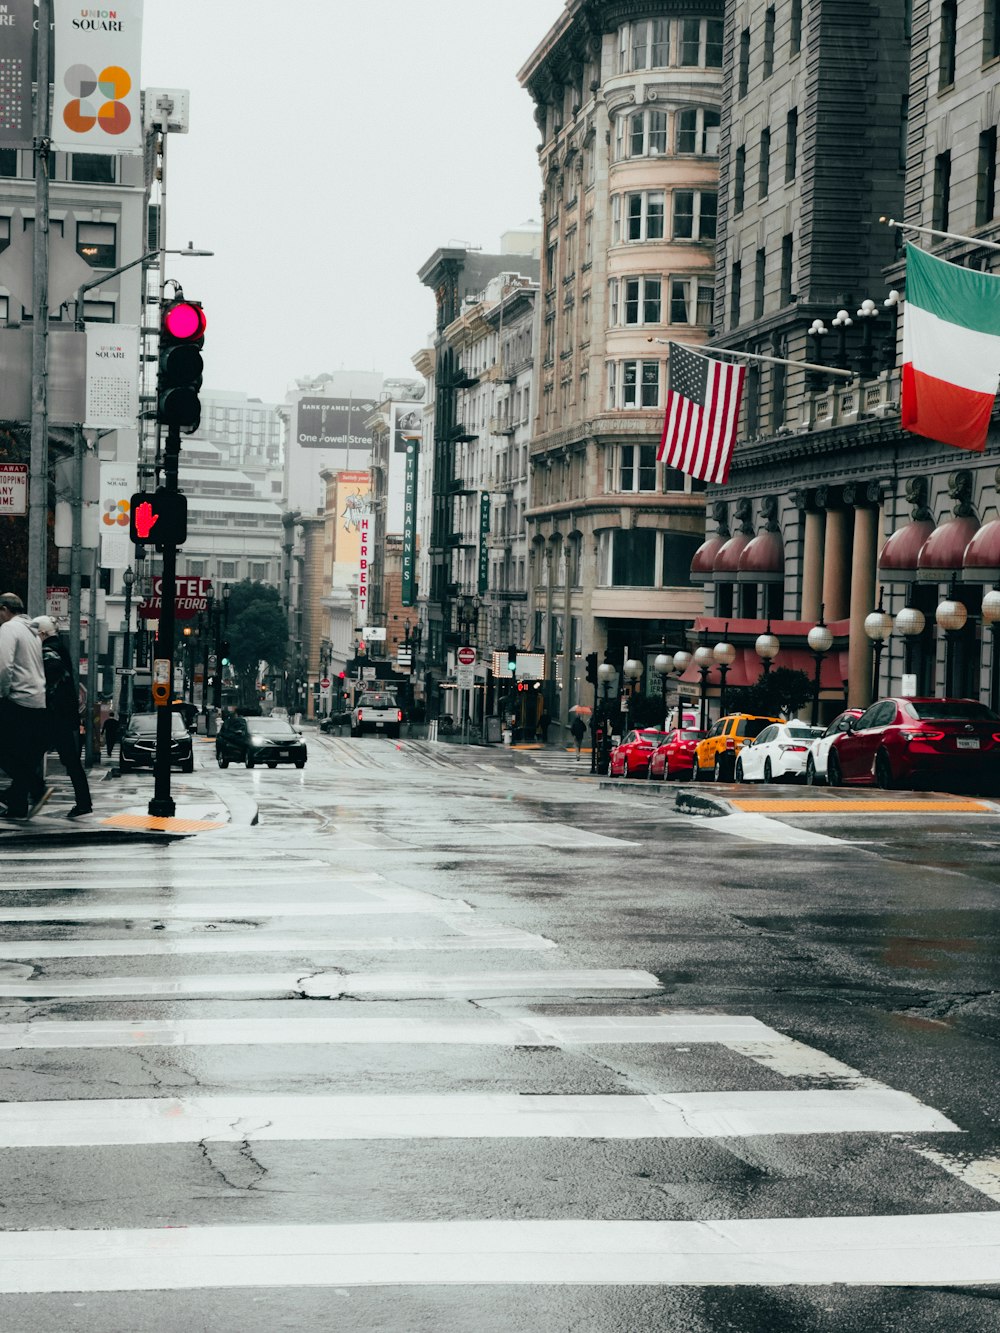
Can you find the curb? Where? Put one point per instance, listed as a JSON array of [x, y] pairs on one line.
[[689, 803]]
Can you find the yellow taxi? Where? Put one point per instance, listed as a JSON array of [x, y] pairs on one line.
[[715, 756]]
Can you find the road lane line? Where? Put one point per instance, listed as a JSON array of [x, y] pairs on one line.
[[236, 910], [982, 1173], [515, 1029], [758, 828], [690, 1115], [560, 835], [931, 1249]]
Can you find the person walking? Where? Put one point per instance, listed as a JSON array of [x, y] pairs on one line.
[[22, 710], [62, 712], [579, 729]]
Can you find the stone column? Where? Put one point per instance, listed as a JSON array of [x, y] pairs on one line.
[[859, 669], [836, 564], [812, 564]]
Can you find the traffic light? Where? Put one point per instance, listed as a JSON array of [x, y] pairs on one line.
[[182, 336], [592, 668], [158, 518], [512, 658], [224, 652]]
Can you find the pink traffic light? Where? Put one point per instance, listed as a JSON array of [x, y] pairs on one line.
[[184, 321]]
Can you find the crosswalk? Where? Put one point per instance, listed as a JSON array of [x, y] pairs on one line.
[[148, 1021]]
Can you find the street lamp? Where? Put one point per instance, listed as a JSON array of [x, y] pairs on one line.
[[951, 615], [820, 641], [704, 660], [910, 622], [632, 670], [878, 627], [991, 617], [767, 647], [124, 694], [663, 664], [605, 675], [725, 655]]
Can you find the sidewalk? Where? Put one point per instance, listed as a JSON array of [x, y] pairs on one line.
[[121, 810]]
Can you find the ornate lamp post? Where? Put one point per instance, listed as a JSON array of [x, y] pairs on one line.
[[878, 627], [663, 665], [632, 670], [820, 641], [124, 694], [605, 675], [704, 660], [991, 617], [767, 647], [910, 623], [951, 615], [725, 655]]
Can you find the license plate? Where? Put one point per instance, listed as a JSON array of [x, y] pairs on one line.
[[282, 754], [967, 742], [380, 724]]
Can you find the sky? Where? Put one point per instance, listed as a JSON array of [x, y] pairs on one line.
[[334, 146]]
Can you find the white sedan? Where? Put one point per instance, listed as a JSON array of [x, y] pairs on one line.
[[778, 752], [820, 748]]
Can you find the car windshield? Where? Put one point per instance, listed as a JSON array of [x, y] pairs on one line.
[[144, 724], [377, 701], [650, 737], [271, 726], [690, 735], [803, 732], [752, 726], [952, 710]]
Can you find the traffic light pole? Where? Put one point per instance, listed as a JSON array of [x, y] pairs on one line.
[[162, 804]]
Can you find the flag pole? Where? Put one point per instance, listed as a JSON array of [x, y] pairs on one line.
[[974, 241], [759, 356]]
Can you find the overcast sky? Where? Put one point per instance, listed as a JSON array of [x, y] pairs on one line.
[[334, 146]]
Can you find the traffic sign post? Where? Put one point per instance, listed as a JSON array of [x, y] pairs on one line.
[[466, 656]]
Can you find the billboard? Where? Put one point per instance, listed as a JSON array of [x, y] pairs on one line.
[[17, 70], [353, 531], [407, 424], [333, 423], [96, 78]]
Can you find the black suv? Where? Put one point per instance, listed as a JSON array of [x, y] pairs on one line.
[[138, 743], [259, 740]]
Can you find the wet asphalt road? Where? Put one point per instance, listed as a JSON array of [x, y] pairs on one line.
[[284, 1026]]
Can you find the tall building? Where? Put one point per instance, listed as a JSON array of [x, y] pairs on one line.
[[627, 101]]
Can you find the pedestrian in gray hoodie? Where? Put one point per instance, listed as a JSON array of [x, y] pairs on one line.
[[22, 709]]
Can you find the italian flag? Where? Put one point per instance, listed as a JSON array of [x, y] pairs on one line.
[[951, 350]]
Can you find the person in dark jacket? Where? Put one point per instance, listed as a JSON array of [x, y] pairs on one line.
[[62, 712]]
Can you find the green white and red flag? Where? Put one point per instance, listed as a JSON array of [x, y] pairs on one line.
[[951, 350]]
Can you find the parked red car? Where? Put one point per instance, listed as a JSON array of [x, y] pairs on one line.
[[909, 742], [674, 756], [630, 757]]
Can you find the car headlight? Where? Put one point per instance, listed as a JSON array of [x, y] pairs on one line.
[[258, 740]]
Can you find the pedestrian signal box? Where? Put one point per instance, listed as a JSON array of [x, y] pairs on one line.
[[158, 518]]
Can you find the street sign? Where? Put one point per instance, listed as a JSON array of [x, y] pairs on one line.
[[465, 677], [374, 633], [466, 656], [325, 683], [124, 671]]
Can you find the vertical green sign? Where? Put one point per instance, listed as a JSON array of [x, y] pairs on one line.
[[484, 550], [410, 522]]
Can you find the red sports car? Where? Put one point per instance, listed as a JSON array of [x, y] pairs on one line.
[[630, 758], [930, 742], [674, 756]]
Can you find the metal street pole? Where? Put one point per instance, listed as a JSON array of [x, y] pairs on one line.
[[162, 804], [38, 491], [128, 578]]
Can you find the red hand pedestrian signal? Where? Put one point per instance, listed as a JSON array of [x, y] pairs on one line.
[[145, 519]]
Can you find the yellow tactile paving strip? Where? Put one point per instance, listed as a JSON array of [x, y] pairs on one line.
[[805, 806], [162, 823]]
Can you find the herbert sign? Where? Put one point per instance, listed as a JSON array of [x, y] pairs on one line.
[[191, 597]]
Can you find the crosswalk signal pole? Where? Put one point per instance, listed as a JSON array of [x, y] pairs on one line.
[[162, 803]]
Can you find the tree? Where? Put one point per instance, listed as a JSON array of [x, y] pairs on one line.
[[257, 631], [780, 692]]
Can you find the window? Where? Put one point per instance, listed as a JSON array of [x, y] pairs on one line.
[[96, 168], [8, 161], [636, 468], [676, 480], [644, 215], [942, 190], [739, 178], [614, 309], [698, 131], [4, 233], [647, 134], [633, 384], [616, 218], [764, 165], [760, 262], [795, 37], [986, 177], [588, 239], [642, 300], [690, 301], [227, 569], [197, 568], [678, 551], [946, 54], [633, 558], [701, 43], [991, 30], [650, 47], [791, 144], [4, 309], [768, 41], [735, 294], [96, 242], [778, 380], [258, 571], [98, 312], [744, 63], [695, 213], [786, 270]]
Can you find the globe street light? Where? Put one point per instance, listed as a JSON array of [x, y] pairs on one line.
[[704, 660], [911, 623], [820, 641], [632, 670], [878, 627], [605, 675], [725, 655], [663, 664], [767, 647], [991, 617], [951, 616]]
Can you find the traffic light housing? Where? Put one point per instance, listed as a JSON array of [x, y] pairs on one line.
[[592, 668], [158, 518], [512, 658], [182, 336], [224, 652]]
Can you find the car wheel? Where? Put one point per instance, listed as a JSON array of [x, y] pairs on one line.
[[738, 775], [768, 771], [720, 772], [272, 765], [222, 759], [123, 765], [249, 761], [188, 765], [300, 763], [813, 779], [883, 771], [625, 769], [834, 776]]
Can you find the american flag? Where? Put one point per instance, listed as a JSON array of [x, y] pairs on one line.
[[703, 410]]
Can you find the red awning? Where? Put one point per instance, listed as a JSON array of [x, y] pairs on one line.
[[981, 562], [763, 559], [898, 561], [703, 561], [727, 562], [794, 652], [944, 550]]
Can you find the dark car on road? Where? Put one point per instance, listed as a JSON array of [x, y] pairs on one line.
[[259, 740], [919, 742], [138, 743]]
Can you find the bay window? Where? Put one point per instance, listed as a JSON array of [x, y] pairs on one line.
[[698, 131], [694, 215]]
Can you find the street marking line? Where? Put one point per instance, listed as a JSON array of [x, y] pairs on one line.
[[690, 1115], [162, 823], [793, 1059], [560, 835], [755, 828], [982, 1174], [807, 805], [931, 1249], [516, 1028], [236, 909], [330, 984]]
